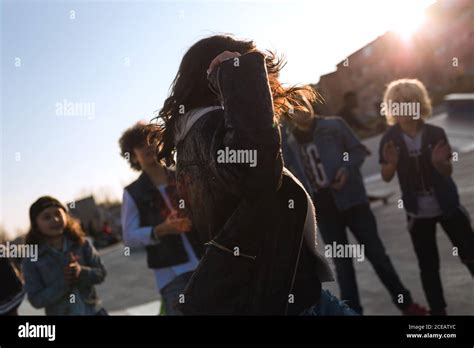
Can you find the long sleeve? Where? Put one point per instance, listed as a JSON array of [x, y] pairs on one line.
[[133, 234], [383, 141], [93, 271], [39, 295], [249, 125], [357, 151]]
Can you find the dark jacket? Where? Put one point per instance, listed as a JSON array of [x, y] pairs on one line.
[[11, 291], [258, 258], [169, 250], [444, 187]]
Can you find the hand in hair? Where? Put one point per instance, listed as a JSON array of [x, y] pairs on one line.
[[222, 57]]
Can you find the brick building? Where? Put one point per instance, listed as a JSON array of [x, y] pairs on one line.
[[440, 53]]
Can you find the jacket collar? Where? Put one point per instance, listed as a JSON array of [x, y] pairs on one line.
[[186, 122], [44, 248]]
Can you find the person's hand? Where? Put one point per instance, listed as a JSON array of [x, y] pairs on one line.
[[179, 224], [173, 225], [440, 153], [390, 153], [222, 57], [340, 179], [72, 270]]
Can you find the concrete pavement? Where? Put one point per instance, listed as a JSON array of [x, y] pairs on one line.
[[130, 287]]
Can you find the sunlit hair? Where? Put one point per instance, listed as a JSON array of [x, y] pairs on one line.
[[133, 137], [72, 231], [303, 104], [190, 89], [407, 90]]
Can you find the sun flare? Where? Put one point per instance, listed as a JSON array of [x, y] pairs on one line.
[[407, 18]]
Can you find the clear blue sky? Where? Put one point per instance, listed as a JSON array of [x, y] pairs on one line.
[[84, 60]]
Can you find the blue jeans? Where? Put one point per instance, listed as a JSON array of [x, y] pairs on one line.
[[329, 305], [332, 224], [171, 292]]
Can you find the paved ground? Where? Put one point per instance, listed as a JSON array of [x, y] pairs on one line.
[[458, 283], [130, 288]]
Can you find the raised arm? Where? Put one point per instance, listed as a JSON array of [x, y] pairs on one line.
[[248, 110], [243, 87]]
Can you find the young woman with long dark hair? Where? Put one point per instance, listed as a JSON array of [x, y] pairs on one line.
[[257, 221]]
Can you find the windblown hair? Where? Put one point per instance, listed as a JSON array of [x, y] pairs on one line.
[[190, 90], [304, 104]]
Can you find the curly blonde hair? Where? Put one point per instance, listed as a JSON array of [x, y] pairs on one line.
[[407, 91]]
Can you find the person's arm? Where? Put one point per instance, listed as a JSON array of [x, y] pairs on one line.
[[355, 149], [248, 112], [133, 234], [93, 270], [136, 236], [243, 85], [249, 125], [388, 158], [39, 294], [388, 172], [441, 156]]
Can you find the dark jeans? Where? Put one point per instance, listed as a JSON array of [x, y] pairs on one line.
[[332, 224], [329, 305], [171, 292], [423, 235]]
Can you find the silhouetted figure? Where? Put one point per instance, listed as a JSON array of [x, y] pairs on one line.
[[347, 112], [11, 290]]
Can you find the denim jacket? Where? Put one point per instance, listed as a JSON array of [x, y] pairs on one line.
[[334, 138], [46, 286]]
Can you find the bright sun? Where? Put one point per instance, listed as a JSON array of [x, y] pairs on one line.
[[407, 18], [409, 26]]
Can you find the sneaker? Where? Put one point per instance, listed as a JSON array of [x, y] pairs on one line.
[[414, 309]]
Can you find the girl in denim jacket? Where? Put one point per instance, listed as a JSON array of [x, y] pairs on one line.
[[62, 278]]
